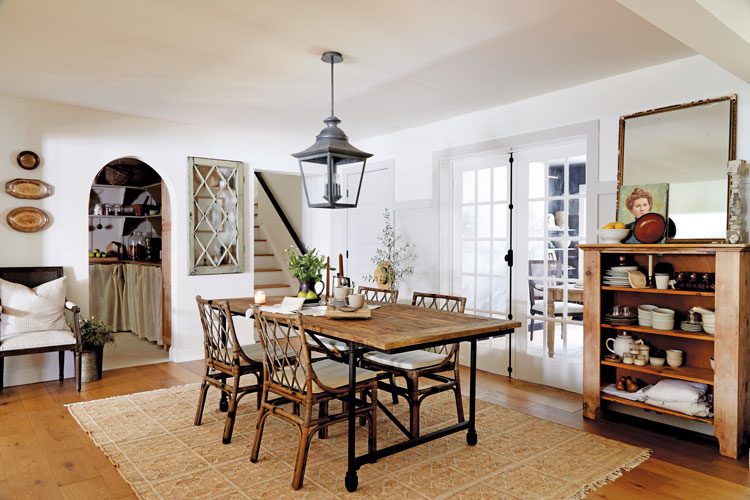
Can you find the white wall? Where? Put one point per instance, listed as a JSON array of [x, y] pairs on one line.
[[74, 143]]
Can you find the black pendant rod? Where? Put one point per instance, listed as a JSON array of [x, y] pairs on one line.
[[332, 63], [509, 260]]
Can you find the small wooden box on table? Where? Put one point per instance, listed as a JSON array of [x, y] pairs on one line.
[[730, 347]]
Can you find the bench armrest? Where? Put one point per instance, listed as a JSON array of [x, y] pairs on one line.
[[70, 306]]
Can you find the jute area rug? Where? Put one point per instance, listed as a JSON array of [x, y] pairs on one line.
[[151, 439]]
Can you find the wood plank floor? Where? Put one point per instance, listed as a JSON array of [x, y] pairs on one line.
[[44, 453]]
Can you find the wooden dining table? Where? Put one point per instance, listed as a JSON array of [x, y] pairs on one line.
[[397, 328]]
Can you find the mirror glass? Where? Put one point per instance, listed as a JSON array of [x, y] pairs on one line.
[[686, 146]]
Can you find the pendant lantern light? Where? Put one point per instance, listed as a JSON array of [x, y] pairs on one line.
[[332, 169]]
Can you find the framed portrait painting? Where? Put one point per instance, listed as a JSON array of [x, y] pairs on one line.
[[636, 201]]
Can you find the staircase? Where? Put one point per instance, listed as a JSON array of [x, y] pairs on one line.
[[269, 275]]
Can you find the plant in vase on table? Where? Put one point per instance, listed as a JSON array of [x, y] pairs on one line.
[[94, 335], [308, 269]]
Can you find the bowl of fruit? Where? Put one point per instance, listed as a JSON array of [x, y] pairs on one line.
[[612, 233]]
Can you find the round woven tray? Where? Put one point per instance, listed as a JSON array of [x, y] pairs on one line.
[[116, 176]]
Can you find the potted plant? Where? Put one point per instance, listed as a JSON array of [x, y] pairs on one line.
[[308, 269], [94, 334]]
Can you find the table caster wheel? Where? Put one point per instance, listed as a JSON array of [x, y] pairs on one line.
[[351, 481], [471, 438]]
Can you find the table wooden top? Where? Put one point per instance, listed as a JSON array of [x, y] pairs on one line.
[[397, 326]]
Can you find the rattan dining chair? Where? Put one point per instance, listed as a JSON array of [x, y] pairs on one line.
[[425, 363], [225, 358], [291, 376], [378, 294]]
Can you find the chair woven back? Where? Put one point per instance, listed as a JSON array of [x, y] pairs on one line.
[[450, 303], [286, 360], [220, 344], [378, 294]]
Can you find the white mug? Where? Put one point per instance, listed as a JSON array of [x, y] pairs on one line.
[[341, 292], [355, 300], [662, 282]]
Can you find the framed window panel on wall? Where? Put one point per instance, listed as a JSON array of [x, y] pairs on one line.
[[216, 227]]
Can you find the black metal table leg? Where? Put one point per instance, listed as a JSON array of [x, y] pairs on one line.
[[351, 480], [471, 435]]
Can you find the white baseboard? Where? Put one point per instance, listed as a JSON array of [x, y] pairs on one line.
[[189, 354], [34, 368]]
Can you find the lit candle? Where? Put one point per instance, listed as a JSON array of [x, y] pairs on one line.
[[260, 297], [650, 265]]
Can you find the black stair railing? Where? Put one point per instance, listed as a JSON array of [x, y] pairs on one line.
[[288, 225]]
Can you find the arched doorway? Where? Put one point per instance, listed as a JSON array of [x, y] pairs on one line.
[[129, 265]]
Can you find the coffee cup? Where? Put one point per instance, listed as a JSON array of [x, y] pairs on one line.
[[355, 300], [341, 292], [662, 281]]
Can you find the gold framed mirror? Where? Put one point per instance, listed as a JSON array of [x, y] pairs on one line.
[[686, 146]]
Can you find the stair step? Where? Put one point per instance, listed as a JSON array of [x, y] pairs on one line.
[[266, 269], [272, 285], [264, 255]]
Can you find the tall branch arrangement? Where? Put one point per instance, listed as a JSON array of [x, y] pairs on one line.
[[396, 249]]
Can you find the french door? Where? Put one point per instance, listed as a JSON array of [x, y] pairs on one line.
[[549, 223]]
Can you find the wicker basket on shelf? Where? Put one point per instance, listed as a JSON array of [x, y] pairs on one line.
[[116, 176]]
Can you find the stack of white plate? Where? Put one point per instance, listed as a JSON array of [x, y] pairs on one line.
[[644, 314], [687, 326], [618, 275], [662, 319], [709, 323]]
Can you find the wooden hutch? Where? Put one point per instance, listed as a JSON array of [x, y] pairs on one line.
[[730, 346]]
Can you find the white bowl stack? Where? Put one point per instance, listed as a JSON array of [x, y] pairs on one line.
[[645, 317], [662, 318], [709, 323], [618, 276]]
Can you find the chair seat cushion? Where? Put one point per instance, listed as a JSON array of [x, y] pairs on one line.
[[254, 352], [33, 340], [330, 373], [334, 345], [573, 308], [410, 360]]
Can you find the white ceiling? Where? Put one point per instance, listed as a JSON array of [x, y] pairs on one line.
[[256, 64]]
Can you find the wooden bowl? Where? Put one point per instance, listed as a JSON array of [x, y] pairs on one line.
[[650, 228]]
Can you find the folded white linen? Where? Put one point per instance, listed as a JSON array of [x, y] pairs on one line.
[[677, 390], [694, 408], [640, 395]]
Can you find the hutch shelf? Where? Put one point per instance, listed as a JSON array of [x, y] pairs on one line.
[[730, 347]]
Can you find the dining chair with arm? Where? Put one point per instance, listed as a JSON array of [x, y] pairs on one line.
[[427, 363], [291, 376], [225, 358]]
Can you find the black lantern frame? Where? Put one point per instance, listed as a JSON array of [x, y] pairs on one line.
[[333, 152]]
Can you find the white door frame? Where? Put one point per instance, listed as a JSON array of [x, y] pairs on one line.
[[443, 192]]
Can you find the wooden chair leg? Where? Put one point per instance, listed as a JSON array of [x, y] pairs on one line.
[[223, 402], [259, 426], [61, 364], [201, 403], [323, 412], [394, 396], [259, 379], [2, 372], [77, 362], [232, 412], [299, 466], [457, 393], [363, 397]]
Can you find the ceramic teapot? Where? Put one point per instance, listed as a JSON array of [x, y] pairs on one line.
[[623, 344]]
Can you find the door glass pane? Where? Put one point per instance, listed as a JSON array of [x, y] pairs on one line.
[[468, 186], [499, 294], [536, 180], [483, 257], [483, 293], [536, 250], [500, 183], [500, 220], [556, 178], [537, 219], [576, 222], [467, 290], [468, 222], [467, 257], [483, 221], [499, 249], [556, 218], [484, 185], [577, 174]]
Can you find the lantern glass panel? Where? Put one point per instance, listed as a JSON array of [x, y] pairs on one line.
[[345, 173]]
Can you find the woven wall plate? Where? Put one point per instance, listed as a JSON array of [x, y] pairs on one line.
[[27, 219], [29, 189], [28, 160]]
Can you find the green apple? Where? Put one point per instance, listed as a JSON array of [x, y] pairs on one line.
[[91, 254], [311, 295], [302, 295]]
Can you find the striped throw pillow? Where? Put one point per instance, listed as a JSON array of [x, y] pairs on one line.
[[27, 309]]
